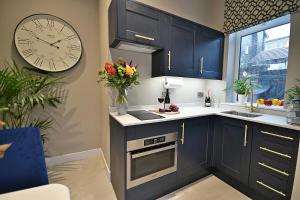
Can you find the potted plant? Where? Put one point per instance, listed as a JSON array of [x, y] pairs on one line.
[[22, 92], [293, 92], [240, 88], [243, 87], [120, 75]]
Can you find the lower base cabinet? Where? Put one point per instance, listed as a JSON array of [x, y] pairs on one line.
[[273, 161], [258, 160], [232, 148], [194, 150]]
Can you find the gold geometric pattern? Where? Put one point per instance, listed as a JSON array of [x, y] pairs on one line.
[[241, 14]]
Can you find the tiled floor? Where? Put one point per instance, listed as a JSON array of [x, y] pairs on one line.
[[87, 181]]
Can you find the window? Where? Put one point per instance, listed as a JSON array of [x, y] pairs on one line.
[[260, 51], [264, 56]]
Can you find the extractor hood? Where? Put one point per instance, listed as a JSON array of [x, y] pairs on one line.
[[141, 48]]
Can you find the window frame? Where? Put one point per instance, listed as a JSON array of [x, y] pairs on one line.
[[236, 39]]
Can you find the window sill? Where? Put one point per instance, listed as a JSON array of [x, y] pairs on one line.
[[276, 108]]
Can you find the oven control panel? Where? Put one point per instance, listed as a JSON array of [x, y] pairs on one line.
[[154, 140]]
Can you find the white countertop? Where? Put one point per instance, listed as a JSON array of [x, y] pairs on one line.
[[198, 111], [46, 192]]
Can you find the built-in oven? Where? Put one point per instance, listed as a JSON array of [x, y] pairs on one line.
[[151, 158]]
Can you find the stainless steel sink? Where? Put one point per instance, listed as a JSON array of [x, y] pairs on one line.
[[242, 114]]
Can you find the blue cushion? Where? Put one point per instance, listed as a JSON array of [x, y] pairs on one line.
[[23, 165]]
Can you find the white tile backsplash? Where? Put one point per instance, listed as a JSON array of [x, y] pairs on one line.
[[151, 88]]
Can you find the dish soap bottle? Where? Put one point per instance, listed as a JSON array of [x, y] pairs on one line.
[[167, 101], [207, 100]]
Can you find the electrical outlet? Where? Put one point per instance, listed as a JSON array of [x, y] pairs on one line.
[[200, 94]]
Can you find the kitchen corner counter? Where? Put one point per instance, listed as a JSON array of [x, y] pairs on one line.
[[198, 111]]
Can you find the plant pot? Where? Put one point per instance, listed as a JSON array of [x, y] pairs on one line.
[[241, 99]]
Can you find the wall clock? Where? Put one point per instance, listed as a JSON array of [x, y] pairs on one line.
[[48, 43]]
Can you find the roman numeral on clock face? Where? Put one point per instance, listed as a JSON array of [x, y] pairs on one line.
[[37, 23], [52, 64], [74, 47], [50, 23], [72, 56], [23, 41], [71, 37], [26, 29], [39, 61], [27, 53]]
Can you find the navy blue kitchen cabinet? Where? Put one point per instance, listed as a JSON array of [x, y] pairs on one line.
[[194, 150], [273, 161], [178, 56], [179, 47], [232, 148], [209, 48], [131, 22], [189, 50], [193, 156], [258, 160]]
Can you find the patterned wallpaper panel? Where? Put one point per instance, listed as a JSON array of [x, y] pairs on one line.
[[241, 14]]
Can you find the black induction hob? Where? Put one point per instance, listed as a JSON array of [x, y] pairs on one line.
[[144, 115]]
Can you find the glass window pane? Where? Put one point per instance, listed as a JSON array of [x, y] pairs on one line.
[[264, 56]]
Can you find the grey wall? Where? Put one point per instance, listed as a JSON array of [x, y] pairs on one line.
[[207, 12], [293, 71], [77, 122]]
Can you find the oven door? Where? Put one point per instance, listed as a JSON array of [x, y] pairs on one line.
[[148, 164]]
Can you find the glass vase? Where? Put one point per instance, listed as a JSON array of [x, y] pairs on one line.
[[121, 101]]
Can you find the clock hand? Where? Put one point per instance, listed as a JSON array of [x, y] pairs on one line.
[[46, 42], [58, 41]]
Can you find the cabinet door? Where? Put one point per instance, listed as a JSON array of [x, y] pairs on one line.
[[209, 50], [141, 23], [232, 148], [182, 48], [160, 59], [194, 149]]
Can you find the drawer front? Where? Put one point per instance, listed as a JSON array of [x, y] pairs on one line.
[[277, 135], [272, 187], [150, 130], [275, 150], [276, 167], [273, 161]]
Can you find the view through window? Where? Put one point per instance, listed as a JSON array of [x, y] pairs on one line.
[[264, 56]]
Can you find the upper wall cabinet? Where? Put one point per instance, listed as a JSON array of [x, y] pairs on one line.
[[178, 56], [189, 50], [179, 47], [133, 26], [209, 48]]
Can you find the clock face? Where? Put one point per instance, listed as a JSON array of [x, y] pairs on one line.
[[48, 43]]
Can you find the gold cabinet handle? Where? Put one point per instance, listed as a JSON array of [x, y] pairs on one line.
[[270, 188], [273, 169], [182, 133], [245, 135], [144, 37], [201, 65], [169, 56], [276, 135], [275, 152]]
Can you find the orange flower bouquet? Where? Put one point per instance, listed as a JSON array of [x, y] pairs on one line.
[[119, 75]]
